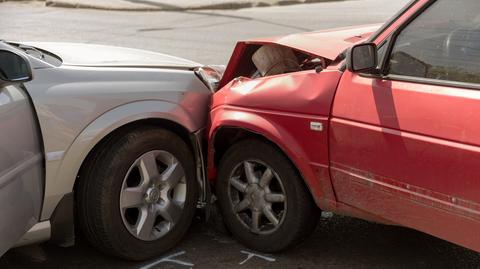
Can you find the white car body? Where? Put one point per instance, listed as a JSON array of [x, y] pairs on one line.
[[93, 92]]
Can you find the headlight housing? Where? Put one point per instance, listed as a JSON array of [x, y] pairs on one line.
[[210, 75]]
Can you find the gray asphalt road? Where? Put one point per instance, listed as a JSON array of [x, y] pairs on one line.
[[209, 37], [338, 242], [204, 36]]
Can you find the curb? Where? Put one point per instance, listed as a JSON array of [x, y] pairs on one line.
[[11, 1], [229, 5], [64, 4]]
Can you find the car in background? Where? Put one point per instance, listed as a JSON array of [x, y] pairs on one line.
[[121, 132], [21, 155], [375, 124]]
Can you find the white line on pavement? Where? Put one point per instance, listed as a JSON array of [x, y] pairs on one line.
[[170, 260], [251, 255]]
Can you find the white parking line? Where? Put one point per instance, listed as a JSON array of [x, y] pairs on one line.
[[169, 259], [251, 255]]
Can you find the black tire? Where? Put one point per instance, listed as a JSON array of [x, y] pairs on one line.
[[301, 215], [98, 192]]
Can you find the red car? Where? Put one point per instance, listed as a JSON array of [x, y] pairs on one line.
[[382, 125]]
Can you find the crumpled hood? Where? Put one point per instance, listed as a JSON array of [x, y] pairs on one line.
[[326, 43], [77, 54]]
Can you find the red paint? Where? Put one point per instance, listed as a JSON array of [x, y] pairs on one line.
[[325, 43], [279, 108], [328, 44], [393, 152]]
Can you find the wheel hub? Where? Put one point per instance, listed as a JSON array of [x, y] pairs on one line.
[[152, 195], [256, 196]]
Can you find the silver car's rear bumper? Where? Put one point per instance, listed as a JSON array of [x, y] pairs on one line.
[[40, 232]]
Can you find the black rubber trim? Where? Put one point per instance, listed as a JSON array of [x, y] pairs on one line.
[[62, 222], [392, 20], [434, 82]]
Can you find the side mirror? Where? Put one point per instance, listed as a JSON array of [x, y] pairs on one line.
[[363, 58], [14, 68]]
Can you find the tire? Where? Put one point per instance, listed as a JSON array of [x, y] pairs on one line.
[[134, 181], [296, 217]]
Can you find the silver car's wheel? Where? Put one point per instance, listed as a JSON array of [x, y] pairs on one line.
[[153, 195], [257, 196], [137, 195]]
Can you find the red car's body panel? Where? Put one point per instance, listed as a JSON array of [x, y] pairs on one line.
[[418, 143], [288, 103], [390, 151], [305, 92]]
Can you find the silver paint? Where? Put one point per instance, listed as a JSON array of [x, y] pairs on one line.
[[21, 167], [82, 101]]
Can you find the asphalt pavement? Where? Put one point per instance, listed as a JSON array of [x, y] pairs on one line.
[[208, 36], [205, 36], [338, 242]]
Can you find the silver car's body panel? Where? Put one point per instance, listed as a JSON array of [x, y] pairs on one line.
[[75, 54], [81, 102], [21, 166]]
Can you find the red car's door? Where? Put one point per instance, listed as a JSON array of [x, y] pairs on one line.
[[407, 146]]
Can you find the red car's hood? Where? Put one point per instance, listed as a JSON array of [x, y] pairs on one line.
[[326, 43]]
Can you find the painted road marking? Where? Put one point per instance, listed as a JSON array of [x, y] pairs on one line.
[[251, 255], [169, 259]]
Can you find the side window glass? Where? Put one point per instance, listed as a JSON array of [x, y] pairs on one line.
[[443, 43]]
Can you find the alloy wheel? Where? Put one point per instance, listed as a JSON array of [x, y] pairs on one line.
[[257, 196], [153, 195]]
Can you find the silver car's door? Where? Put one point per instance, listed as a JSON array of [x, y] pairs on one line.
[[21, 163]]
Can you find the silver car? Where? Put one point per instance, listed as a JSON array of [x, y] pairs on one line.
[[122, 134], [21, 157]]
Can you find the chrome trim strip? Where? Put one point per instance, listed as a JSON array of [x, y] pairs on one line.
[[54, 156]]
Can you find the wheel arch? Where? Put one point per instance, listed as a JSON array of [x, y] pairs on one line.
[[226, 136], [167, 124], [111, 123]]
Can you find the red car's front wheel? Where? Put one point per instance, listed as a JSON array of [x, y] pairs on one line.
[[263, 200]]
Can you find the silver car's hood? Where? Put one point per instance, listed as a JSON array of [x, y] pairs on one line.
[[77, 54]]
